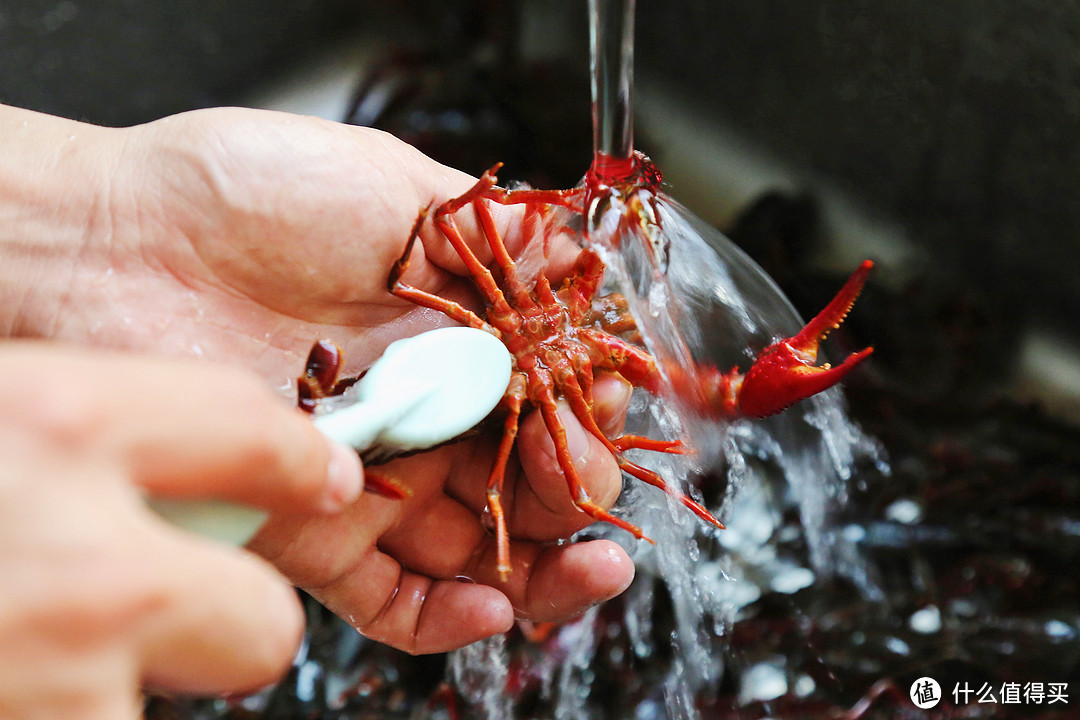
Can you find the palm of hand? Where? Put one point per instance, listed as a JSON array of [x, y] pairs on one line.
[[239, 254]]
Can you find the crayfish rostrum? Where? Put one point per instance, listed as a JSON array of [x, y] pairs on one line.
[[558, 337]]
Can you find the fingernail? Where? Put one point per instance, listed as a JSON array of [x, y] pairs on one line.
[[617, 557], [577, 437], [611, 395], [344, 478]]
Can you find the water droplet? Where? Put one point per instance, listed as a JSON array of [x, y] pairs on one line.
[[764, 681], [963, 607], [805, 685], [1060, 630], [897, 646], [925, 621], [792, 580], [904, 511], [854, 533]]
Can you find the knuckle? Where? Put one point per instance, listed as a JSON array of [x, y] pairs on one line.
[[64, 414], [103, 602], [277, 445], [269, 652], [263, 444]]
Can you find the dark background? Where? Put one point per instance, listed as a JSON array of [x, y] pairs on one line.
[[121, 62], [961, 119]]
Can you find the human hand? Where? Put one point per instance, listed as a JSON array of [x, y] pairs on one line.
[[243, 236], [420, 573], [99, 597]]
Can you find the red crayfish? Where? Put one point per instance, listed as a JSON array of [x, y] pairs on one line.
[[558, 337]]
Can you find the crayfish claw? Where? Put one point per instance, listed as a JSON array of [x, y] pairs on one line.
[[784, 373], [808, 339]]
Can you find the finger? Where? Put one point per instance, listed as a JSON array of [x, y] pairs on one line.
[[439, 539], [250, 447], [611, 399], [461, 541], [99, 595], [422, 615], [185, 429], [429, 533], [317, 551], [542, 503], [385, 592], [227, 621], [536, 496], [108, 701], [410, 611], [546, 582], [79, 686], [555, 583], [417, 181]]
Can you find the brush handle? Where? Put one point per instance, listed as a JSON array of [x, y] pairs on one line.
[[359, 425], [226, 522]]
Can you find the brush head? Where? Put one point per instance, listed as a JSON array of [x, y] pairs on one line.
[[424, 391]]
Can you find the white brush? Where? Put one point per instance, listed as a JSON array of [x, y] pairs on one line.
[[423, 391]]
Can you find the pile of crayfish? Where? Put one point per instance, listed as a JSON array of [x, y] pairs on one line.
[[559, 336]]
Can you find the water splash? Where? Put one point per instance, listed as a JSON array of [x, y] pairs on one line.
[[479, 673], [712, 305], [723, 310]]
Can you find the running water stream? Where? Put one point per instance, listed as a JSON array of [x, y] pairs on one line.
[[696, 298]]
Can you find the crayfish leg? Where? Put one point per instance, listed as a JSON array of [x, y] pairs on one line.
[[444, 220], [516, 287], [388, 487], [512, 401], [654, 479], [420, 297], [543, 396], [572, 199], [583, 412], [610, 352], [639, 442], [579, 289]]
